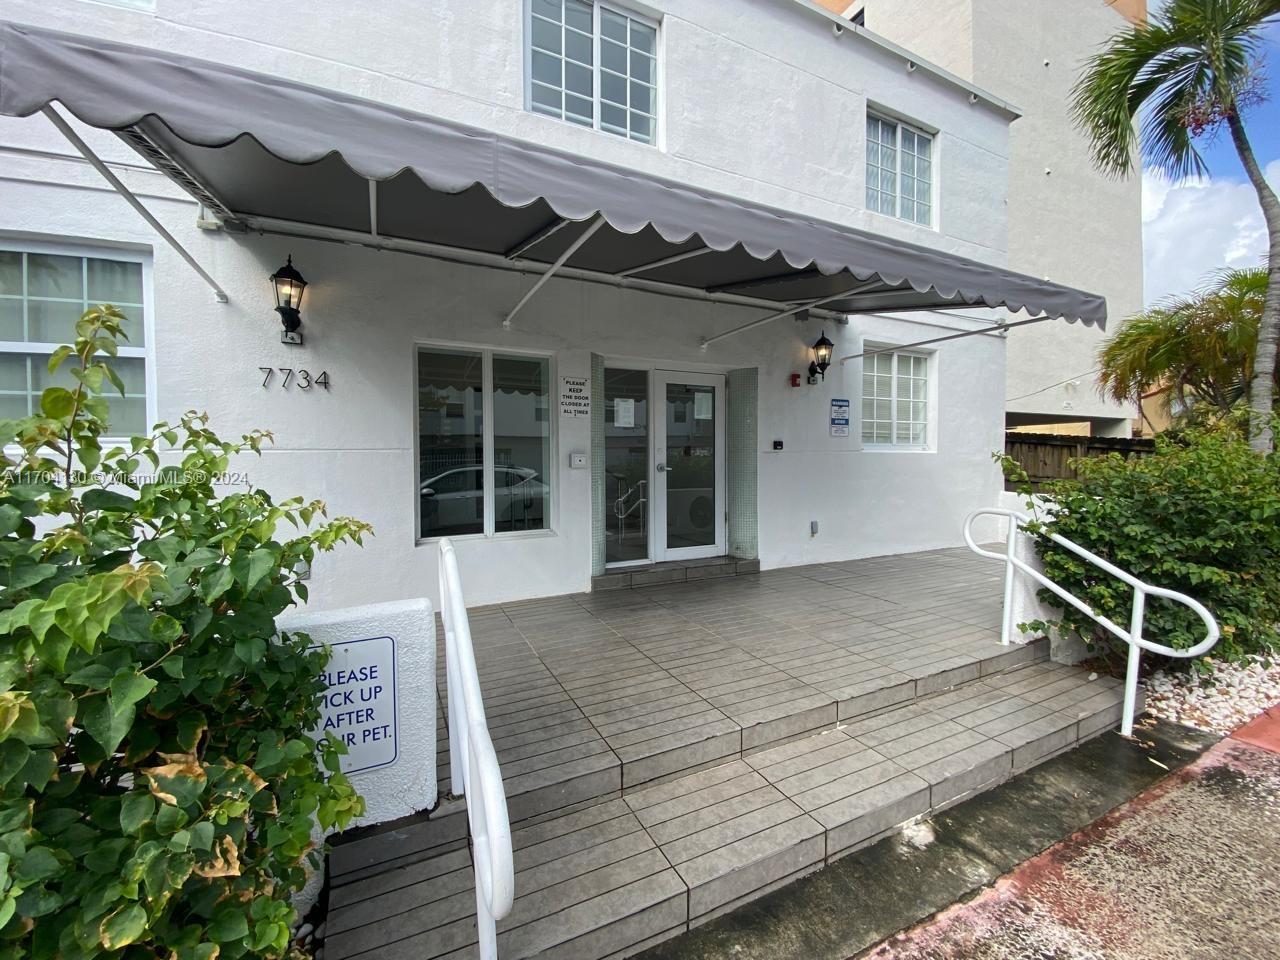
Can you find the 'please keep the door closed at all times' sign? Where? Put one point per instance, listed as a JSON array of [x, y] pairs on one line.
[[360, 702]]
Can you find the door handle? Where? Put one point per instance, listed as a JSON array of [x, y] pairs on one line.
[[661, 468]]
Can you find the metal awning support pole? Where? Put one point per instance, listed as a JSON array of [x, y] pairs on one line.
[[994, 328], [95, 161], [435, 251], [664, 262], [535, 238], [373, 208], [867, 285], [772, 281], [561, 260]]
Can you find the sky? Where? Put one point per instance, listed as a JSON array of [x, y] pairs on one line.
[[1193, 228]]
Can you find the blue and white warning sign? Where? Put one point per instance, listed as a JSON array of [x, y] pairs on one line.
[[840, 418]]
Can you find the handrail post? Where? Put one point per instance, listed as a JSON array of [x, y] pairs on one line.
[[486, 931], [474, 770], [454, 712], [1006, 621], [1133, 636], [457, 752], [1135, 657]]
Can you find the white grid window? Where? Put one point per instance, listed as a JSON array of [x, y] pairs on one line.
[[595, 65], [895, 399], [882, 166], [42, 295], [899, 170]]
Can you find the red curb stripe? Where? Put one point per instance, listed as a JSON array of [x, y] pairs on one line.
[[1262, 731]]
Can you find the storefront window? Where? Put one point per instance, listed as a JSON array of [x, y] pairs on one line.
[[476, 477], [450, 443], [521, 443]]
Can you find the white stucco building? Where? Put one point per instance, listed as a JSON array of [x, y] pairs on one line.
[[606, 293], [651, 160], [1032, 52]]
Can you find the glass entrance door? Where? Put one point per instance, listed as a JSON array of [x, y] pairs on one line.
[[689, 468], [626, 466]]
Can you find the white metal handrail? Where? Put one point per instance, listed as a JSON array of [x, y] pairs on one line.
[[474, 771], [1132, 636]]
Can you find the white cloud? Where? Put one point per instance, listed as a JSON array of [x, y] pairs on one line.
[[1194, 227]]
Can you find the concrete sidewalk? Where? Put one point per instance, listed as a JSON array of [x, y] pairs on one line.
[[1188, 869]]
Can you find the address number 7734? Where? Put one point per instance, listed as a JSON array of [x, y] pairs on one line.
[[290, 377]]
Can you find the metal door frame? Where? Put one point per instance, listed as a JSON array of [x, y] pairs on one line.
[[657, 454]]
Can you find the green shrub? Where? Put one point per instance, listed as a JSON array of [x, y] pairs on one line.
[[158, 786], [1201, 515]]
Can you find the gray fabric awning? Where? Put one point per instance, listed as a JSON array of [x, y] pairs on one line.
[[256, 146]]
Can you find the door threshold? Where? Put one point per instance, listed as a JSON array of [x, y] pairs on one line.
[[673, 571]]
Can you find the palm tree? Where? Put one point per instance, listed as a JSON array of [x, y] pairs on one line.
[[1194, 66], [1197, 350]]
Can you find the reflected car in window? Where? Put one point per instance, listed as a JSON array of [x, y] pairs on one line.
[[453, 501]]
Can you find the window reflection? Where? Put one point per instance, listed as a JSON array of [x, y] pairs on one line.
[[450, 443], [456, 464], [626, 465], [521, 443], [691, 465]]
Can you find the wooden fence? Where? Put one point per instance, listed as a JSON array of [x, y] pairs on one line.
[[1047, 456]]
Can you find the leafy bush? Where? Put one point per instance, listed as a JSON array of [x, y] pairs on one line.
[[158, 786], [1201, 515]]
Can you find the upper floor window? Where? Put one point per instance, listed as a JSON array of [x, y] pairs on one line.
[[899, 170], [43, 292], [593, 64]]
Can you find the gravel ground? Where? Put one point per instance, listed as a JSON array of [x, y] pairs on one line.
[[1221, 700]]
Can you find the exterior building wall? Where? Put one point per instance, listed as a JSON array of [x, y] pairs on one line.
[[758, 99], [1135, 11], [762, 100], [1067, 222], [1155, 417], [1080, 428], [940, 31], [353, 446]]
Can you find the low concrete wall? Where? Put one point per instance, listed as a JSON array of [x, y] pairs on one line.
[[381, 698], [1027, 605], [389, 721]]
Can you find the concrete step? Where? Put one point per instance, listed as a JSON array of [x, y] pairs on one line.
[[674, 571], [618, 874], [570, 730]]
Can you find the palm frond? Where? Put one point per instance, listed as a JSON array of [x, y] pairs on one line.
[[1155, 86], [1199, 348]]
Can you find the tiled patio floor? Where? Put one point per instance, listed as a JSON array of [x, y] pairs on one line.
[[608, 877], [626, 686], [672, 751]]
